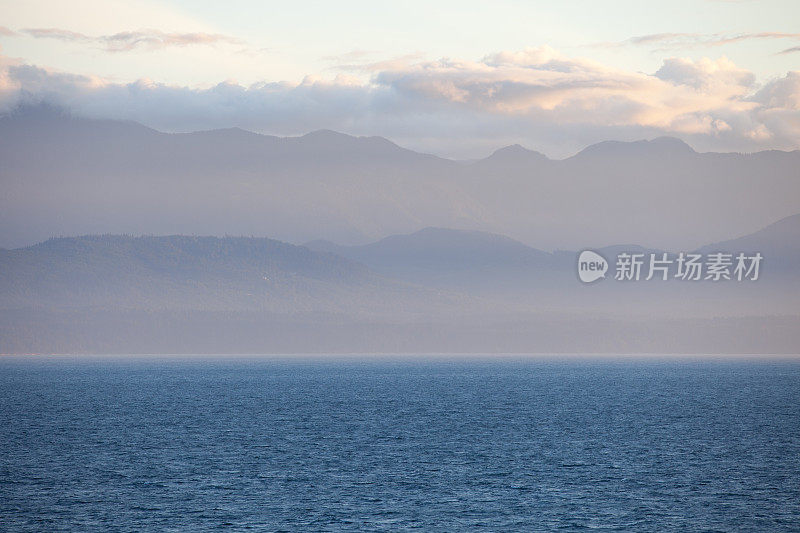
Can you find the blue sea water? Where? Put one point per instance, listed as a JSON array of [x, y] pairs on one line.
[[98, 444]]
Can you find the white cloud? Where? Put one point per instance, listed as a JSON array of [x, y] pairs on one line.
[[129, 40], [672, 41], [538, 97], [782, 93], [715, 77]]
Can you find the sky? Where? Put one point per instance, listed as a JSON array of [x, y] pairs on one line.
[[459, 79]]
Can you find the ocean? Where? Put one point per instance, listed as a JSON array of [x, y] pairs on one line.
[[393, 444]]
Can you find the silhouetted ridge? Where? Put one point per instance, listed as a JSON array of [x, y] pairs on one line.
[[660, 146], [516, 153]]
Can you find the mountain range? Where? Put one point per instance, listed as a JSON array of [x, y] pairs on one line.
[[64, 175], [403, 251], [434, 289]]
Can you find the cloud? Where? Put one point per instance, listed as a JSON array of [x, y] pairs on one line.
[[790, 50], [673, 41], [130, 40], [660, 38], [720, 77], [6, 32], [544, 85], [56, 33], [538, 97], [155, 39], [781, 93]]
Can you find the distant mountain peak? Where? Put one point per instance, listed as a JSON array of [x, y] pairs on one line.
[[51, 120], [234, 133], [326, 134], [657, 146], [516, 153], [511, 149], [331, 138]]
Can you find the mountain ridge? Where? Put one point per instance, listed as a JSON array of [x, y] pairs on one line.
[[82, 176], [191, 272], [50, 112], [200, 294]]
